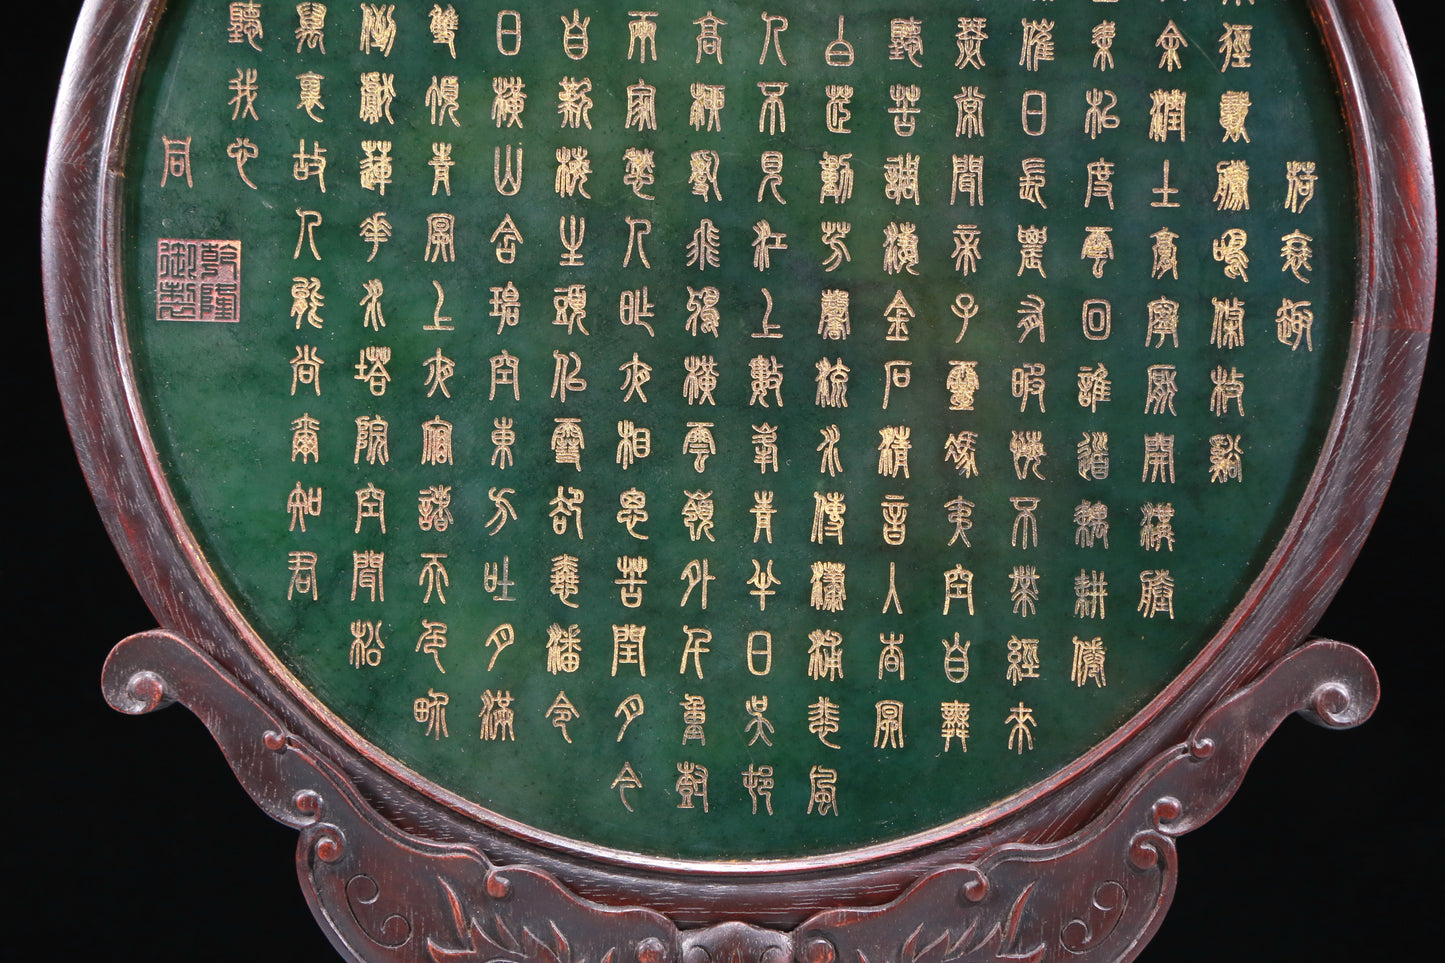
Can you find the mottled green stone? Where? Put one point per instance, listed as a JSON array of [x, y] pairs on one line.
[[217, 402]]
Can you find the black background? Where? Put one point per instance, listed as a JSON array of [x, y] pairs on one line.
[[130, 838]]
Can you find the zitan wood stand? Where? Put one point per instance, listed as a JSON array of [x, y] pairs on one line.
[[1084, 871]]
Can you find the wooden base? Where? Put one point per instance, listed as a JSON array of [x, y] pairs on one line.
[[382, 893]]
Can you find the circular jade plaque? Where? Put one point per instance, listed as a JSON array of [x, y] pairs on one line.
[[721, 434]]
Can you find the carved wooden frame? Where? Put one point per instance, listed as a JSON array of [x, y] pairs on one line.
[[1080, 865]]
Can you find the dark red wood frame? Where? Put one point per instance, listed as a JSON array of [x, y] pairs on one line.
[[1080, 865]]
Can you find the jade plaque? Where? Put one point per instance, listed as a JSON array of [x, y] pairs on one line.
[[719, 433]]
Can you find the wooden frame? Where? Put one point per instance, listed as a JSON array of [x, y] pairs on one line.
[[1108, 831]]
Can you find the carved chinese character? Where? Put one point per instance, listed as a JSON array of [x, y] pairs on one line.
[[836, 113], [1098, 247], [695, 646], [1166, 114], [243, 85], [564, 582], [629, 648], [1233, 111], [378, 28], [708, 101], [966, 253], [432, 641], [1028, 381], [301, 567], [626, 779], [574, 102], [759, 727], [1234, 44], [371, 368], [433, 510], [904, 110], [1038, 43], [833, 319], [575, 45], [1091, 521], [1032, 181], [638, 167], [702, 250], [763, 512], [1170, 41], [709, 44], [900, 178], [443, 27], [765, 447], [893, 447], [765, 242], [568, 442], [1296, 254], [1027, 449], [508, 181], [502, 508], [758, 781], [375, 230], [311, 26], [244, 24], [762, 581], [573, 169], [694, 717], [1228, 386], [1091, 591], [1293, 323], [509, 99], [371, 440], [888, 724], [961, 384], [828, 511], [823, 789], [1161, 389], [1300, 177], [1020, 733], [957, 587], [308, 164], [368, 575], [642, 34], [972, 32], [1023, 660], [431, 710], [960, 449], [1226, 460], [498, 717], [1158, 458], [969, 104], [561, 712], [1156, 593], [960, 515], [1031, 249], [633, 511], [1163, 322], [766, 375], [1229, 250], [366, 644], [1227, 330], [1093, 454], [1156, 527], [436, 442], [1088, 662], [441, 238], [699, 443], [1102, 37], [828, 591], [1094, 386]]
